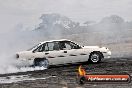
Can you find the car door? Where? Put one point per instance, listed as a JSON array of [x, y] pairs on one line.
[[75, 53], [52, 52], [48, 50], [55, 55], [65, 50]]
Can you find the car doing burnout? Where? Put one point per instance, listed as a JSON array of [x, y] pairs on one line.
[[62, 51]]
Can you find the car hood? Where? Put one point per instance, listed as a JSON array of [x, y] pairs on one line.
[[104, 49]]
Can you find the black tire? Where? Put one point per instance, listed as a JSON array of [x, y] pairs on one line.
[[41, 62], [95, 57]]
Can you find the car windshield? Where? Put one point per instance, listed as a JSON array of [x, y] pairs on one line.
[[34, 47]]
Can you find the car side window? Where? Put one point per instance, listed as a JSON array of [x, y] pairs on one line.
[[53, 46], [68, 47], [46, 47], [50, 46], [65, 45], [74, 46], [41, 48]]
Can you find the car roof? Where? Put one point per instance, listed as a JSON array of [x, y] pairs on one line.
[[55, 40]]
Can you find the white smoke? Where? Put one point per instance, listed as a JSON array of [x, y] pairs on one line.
[[9, 64], [114, 36], [12, 42]]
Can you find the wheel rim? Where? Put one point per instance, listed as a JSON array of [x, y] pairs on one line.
[[44, 63], [94, 58]]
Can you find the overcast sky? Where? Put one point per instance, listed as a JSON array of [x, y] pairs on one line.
[[26, 13]]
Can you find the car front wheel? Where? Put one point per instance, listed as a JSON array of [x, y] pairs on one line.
[[95, 57]]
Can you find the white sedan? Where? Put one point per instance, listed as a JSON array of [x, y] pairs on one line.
[[62, 51]]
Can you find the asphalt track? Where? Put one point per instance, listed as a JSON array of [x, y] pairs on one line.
[[65, 76]]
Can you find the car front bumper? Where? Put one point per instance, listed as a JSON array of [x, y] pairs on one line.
[[107, 54]]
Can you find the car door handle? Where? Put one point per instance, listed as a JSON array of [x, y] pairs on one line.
[[46, 53], [65, 51]]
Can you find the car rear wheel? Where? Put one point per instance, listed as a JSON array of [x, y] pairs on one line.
[[95, 57], [41, 62]]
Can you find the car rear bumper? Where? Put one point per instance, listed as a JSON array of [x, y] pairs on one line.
[[25, 62]]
